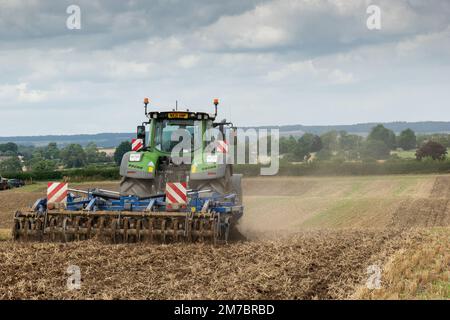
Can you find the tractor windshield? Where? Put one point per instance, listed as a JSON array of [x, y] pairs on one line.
[[169, 133]]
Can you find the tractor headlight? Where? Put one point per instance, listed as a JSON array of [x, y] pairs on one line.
[[151, 167]]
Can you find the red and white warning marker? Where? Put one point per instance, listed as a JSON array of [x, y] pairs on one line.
[[57, 192], [176, 193], [222, 146], [137, 144]]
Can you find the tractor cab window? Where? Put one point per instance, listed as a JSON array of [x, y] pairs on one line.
[[169, 133]]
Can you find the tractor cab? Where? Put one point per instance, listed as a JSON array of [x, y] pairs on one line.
[[178, 146], [167, 129]]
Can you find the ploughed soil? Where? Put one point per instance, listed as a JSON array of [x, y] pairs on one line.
[[301, 263], [426, 212], [12, 201], [316, 265], [23, 198]]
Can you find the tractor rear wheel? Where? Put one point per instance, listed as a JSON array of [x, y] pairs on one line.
[[136, 187], [221, 185], [236, 181]]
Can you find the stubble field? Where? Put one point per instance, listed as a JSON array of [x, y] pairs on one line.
[[306, 238]]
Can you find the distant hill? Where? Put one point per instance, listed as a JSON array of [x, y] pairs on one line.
[[113, 139], [101, 139], [364, 128]]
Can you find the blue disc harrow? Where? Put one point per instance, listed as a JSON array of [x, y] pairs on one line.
[[108, 216]]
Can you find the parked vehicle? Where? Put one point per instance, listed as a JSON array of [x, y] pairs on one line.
[[15, 183], [4, 184]]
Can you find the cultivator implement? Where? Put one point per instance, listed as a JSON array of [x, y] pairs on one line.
[[105, 215]]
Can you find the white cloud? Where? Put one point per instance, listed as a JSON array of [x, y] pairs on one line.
[[258, 56], [300, 68], [315, 26], [21, 93], [31, 96], [425, 45], [308, 71], [8, 92], [337, 76], [188, 61]]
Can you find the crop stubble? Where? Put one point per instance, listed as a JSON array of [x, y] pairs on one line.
[[305, 264]]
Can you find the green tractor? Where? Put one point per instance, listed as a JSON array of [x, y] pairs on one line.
[[173, 146], [177, 185]]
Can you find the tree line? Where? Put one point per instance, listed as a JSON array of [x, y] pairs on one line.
[[15, 158], [334, 145], [378, 145]]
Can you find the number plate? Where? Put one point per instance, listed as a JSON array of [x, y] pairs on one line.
[[178, 115], [135, 157]]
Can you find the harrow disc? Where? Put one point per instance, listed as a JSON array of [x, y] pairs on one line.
[[121, 227]]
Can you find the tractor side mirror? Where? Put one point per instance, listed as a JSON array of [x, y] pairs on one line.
[[141, 133]]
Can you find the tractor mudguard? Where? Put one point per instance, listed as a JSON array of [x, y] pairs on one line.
[[137, 165], [208, 174]]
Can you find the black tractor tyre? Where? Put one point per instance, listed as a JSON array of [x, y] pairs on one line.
[[236, 181], [136, 187], [221, 185]]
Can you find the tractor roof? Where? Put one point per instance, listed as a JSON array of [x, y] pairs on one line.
[[181, 115]]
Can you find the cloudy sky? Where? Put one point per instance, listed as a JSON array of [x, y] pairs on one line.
[[269, 61]]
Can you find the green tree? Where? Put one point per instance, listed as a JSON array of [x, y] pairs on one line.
[[316, 144], [306, 144], [91, 152], [349, 145], [103, 157], [433, 150], [9, 153], [73, 156], [12, 164], [330, 140], [312, 142], [123, 148], [375, 149], [407, 139], [287, 144], [10, 146], [380, 133], [26, 152], [51, 152], [324, 154], [43, 165], [93, 155], [442, 138], [349, 142]]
